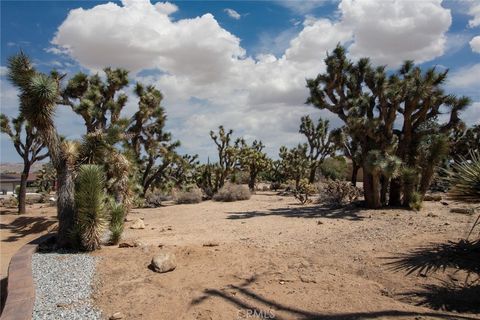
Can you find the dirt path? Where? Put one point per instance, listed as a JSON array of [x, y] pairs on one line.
[[268, 257], [17, 230]]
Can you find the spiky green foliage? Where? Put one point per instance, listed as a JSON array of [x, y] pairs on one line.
[[465, 178], [29, 146], [386, 114], [39, 94], [464, 141], [117, 217], [253, 160], [295, 164], [90, 198], [320, 143]]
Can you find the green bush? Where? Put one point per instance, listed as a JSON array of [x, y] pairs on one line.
[[336, 192], [304, 191], [232, 192], [90, 200], [334, 168]]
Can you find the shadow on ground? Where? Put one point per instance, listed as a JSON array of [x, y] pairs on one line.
[[243, 297], [24, 226], [462, 257], [347, 212]]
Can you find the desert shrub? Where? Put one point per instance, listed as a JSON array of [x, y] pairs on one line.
[[154, 199], [10, 202], [232, 192], [415, 202], [338, 192], [117, 217], [304, 191], [334, 168], [190, 195], [90, 199]]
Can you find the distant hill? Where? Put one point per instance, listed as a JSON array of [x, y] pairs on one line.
[[10, 167]]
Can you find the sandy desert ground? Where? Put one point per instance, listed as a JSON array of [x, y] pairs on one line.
[[272, 258]]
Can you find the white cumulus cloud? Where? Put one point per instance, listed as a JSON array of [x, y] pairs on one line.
[[475, 44], [208, 78]]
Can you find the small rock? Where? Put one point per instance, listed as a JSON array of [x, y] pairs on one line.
[[62, 305], [319, 222], [463, 210], [163, 262], [138, 243], [116, 316], [430, 214], [432, 197], [138, 224], [444, 203]]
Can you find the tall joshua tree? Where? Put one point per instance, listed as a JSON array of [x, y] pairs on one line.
[[39, 94], [151, 145], [29, 149], [370, 102], [227, 153], [320, 143]]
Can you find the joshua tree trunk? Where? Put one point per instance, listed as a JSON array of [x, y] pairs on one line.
[[251, 181], [426, 180], [355, 168], [313, 171], [371, 190], [22, 194], [395, 199], [65, 204]]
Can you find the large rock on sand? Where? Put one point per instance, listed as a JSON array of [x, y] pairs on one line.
[[138, 224], [163, 262]]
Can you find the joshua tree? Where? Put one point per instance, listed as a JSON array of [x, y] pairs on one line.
[[227, 154], [253, 160], [320, 143], [151, 146], [46, 178], [370, 103], [295, 162], [39, 94], [351, 150], [465, 140], [29, 149]]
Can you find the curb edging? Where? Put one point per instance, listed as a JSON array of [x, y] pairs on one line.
[[20, 287]]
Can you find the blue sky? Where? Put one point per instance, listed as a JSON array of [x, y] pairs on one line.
[[237, 63]]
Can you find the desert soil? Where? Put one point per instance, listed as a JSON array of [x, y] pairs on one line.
[[269, 257]]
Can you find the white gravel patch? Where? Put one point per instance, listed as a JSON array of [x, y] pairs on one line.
[[63, 286]]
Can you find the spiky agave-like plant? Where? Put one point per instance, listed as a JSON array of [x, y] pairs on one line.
[[465, 180], [90, 199]]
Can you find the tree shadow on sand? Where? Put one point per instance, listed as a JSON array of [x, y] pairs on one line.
[[453, 295], [244, 298], [346, 212], [24, 226]]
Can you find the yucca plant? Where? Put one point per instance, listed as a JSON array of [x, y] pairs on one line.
[[465, 180], [90, 199], [117, 216]]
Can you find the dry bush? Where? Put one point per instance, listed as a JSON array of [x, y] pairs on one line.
[[192, 195], [304, 191], [338, 192], [154, 199], [232, 192], [10, 202]]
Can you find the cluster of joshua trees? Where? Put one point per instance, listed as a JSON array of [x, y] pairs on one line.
[[391, 130]]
